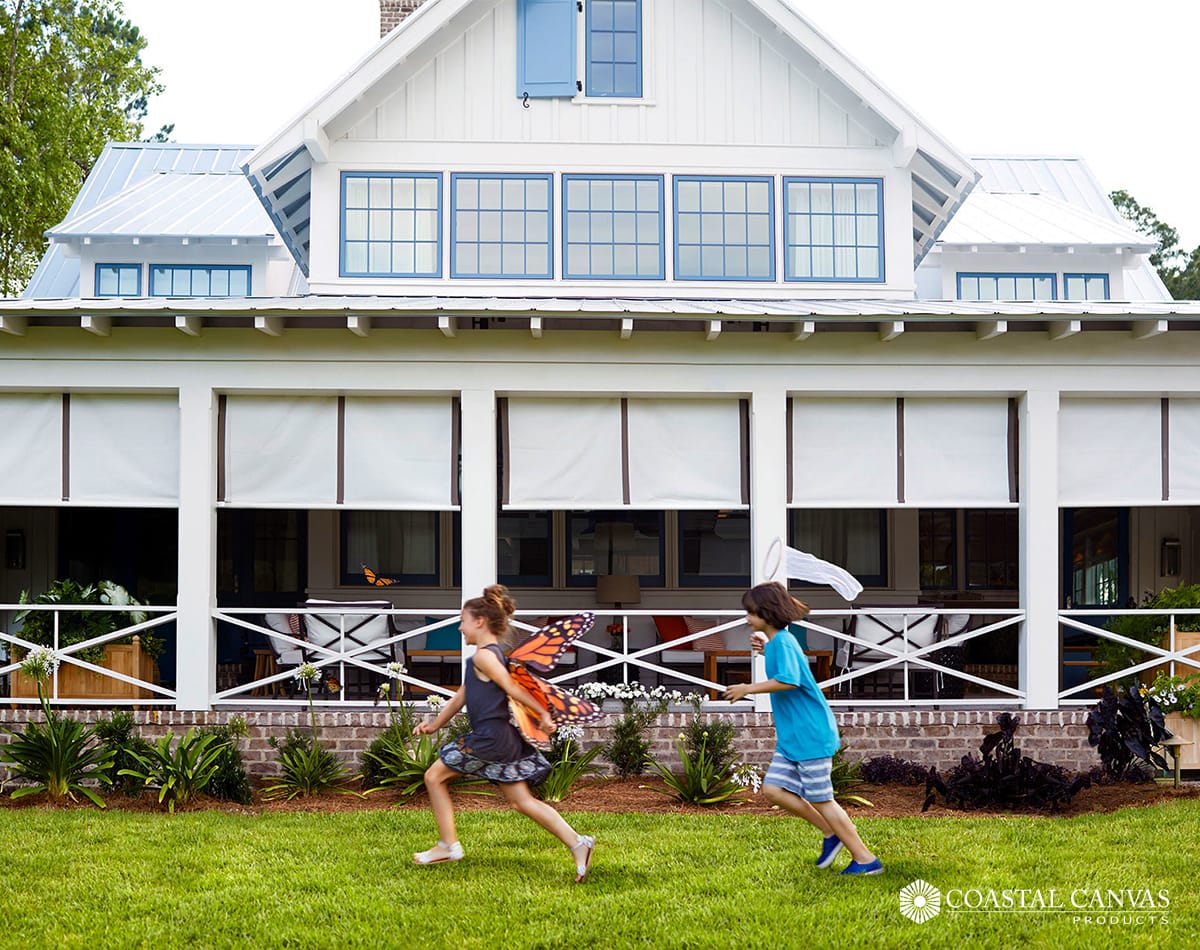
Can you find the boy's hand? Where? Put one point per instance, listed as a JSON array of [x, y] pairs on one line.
[[737, 691], [424, 729], [757, 642]]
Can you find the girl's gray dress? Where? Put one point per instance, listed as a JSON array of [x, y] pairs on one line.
[[494, 748]]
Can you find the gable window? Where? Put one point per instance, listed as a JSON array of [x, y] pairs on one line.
[[724, 228], [208, 280], [118, 280], [1085, 286], [613, 226], [391, 225], [834, 229], [614, 48], [1010, 287], [500, 226]]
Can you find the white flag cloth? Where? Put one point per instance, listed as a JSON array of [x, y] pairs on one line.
[[805, 567]]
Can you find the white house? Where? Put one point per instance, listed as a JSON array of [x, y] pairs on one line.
[[544, 291]]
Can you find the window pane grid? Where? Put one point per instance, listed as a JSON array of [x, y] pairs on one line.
[[1007, 287], [188, 280], [1085, 287], [118, 280], [501, 226], [614, 48], [613, 227], [391, 225], [724, 228], [833, 229]]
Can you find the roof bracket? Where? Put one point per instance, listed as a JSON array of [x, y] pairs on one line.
[[1061, 329], [448, 325], [1144, 330], [990, 329], [101, 325], [359, 324], [890, 329], [804, 329], [626, 327], [271, 326], [188, 324]]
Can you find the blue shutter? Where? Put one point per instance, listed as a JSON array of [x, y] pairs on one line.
[[546, 48]]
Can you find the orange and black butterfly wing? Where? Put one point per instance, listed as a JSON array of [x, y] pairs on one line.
[[375, 580], [523, 717], [567, 708], [542, 650]]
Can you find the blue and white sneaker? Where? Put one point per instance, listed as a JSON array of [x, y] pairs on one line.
[[872, 867], [829, 850]]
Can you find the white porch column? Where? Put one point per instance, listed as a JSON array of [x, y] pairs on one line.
[[1040, 561], [196, 642], [768, 493], [478, 490]]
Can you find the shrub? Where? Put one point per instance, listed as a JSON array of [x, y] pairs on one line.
[[1114, 657], [179, 774], [1003, 778], [628, 749], [60, 756], [230, 781], [568, 764], [890, 770], [118, 733], [1125, 727], [845, 775], [306, 767], [705, 779]]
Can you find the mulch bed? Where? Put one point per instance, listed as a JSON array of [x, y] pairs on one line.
[[646, 795]]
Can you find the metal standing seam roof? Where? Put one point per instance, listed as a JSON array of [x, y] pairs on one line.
[[174, 206], [119, 166], [1036, 219]]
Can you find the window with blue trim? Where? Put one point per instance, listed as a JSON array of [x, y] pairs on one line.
[[500, 226], [834, 229], [1009, 287], [724, 228], [391, 225], [118, 280], [613, 226], [614, 48], [1085, 286], [199, 280]]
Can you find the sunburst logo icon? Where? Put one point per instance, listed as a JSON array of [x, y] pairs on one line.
[[920, 901]]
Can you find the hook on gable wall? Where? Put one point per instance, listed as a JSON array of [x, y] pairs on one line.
[[525, 101]]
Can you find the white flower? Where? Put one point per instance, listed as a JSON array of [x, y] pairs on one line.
[[434, 701], [307, 674], [569, 733], [396, 670], [746, 775], [40, 663]]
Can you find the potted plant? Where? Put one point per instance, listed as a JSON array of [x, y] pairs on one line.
[[134, 655], [1179, 699], [1156, 629]]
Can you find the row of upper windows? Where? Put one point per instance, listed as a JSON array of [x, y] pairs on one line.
[[174, 280], [1031, 287], [613, 227], [547, 36]]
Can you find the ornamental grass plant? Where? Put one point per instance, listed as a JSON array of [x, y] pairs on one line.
[[306, 767]]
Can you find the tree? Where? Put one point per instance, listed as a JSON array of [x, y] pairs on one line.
[[1179, 270], [71, 80]]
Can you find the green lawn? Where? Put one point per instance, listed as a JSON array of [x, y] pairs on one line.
[[98, 880]]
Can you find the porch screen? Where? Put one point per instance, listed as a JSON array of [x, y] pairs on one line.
[[562, 453], [1184, 451], [843, 453], [31, 463], [400, 453], [1109, 451], [956, 452], [124, 449], [280, 451], [685, 454]]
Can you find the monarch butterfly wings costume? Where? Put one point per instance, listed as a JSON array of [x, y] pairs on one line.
[[541, 651]]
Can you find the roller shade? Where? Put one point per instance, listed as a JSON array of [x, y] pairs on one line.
[[124, 449], [1184, 451], [400, 453], [562, 453], [1109, 451], [280, 451], [686, 454], [31, 459], [956, 452], [843, 453]]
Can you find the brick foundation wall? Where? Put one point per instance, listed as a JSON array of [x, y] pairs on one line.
[[391, 12], [929, 737]]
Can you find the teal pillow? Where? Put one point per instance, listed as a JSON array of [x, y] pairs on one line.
[[443, 638], [800, 633]]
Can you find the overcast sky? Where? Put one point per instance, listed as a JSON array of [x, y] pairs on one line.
[[1114, 83]]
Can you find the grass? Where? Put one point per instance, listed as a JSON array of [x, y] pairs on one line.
[[86, 879]]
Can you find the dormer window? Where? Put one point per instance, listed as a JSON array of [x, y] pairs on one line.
[[207, 280], [1007, 287], [118, 280], [1085, 287]]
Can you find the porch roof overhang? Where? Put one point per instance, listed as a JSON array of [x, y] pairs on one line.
[[537, 315]]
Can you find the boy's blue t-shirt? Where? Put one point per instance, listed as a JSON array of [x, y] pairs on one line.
[[804, 723]]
